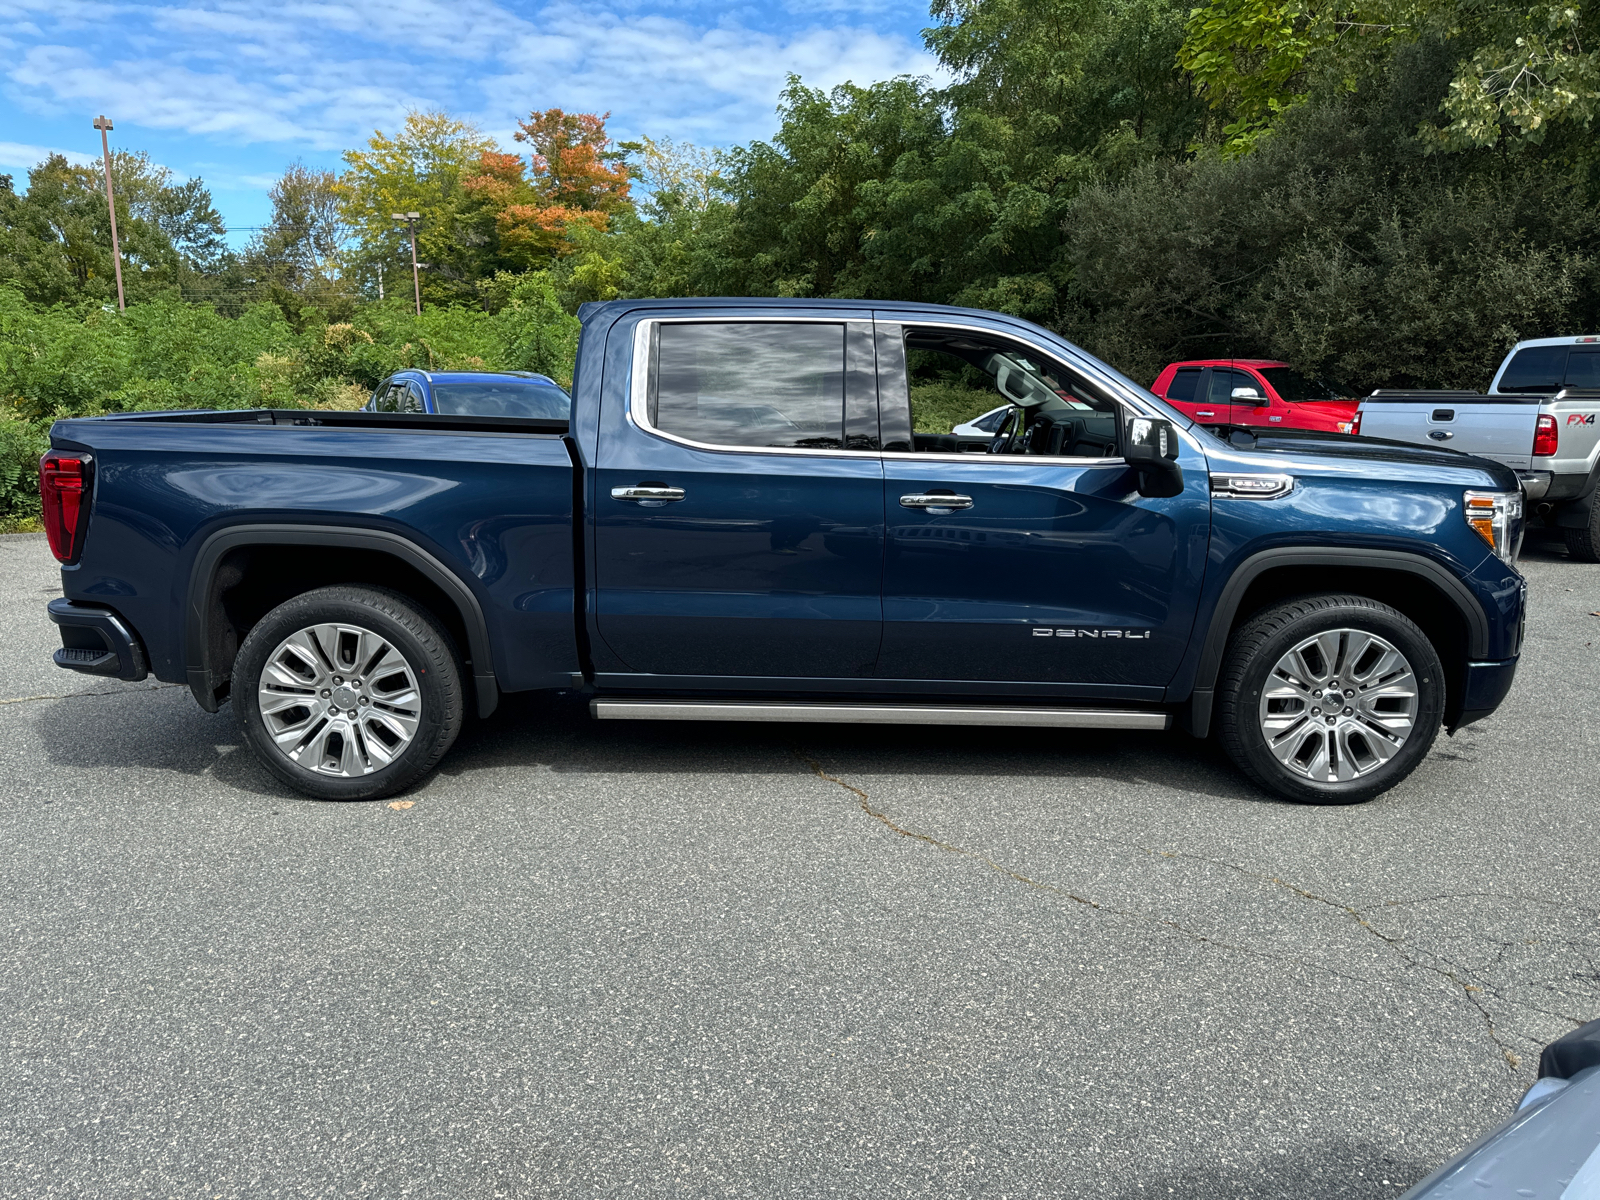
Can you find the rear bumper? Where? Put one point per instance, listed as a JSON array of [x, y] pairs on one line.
[[1483, 688], [96, 641], [1534, 483]]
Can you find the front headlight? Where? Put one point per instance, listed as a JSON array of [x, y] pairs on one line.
[[1497, 516]]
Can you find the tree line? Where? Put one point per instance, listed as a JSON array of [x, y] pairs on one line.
[[1382, 192]]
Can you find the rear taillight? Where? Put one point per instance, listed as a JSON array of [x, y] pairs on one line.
[[1546, 437], [64, 488], [1355, 425]]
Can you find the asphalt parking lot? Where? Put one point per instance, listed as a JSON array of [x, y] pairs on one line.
[[685, 960]]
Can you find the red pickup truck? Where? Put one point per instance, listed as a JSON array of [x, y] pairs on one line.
[[1254, 391]]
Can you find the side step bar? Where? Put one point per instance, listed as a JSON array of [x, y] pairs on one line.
[[875, 714]]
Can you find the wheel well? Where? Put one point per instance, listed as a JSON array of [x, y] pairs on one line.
[[1432, 611], [250, 581]]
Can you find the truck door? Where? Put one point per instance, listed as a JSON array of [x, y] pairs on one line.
[[1036, 567], [1183, 393], [738, 506]]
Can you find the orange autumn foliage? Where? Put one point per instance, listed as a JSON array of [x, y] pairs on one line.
[[575, 178]]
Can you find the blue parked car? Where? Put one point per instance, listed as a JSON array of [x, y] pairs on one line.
[[472, 394], [740, 519], [1549, 1149]]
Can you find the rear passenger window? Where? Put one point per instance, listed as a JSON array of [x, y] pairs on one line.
[[383, 399], [1583, 369], [1536, 369], [750, 384], [411, 399], [1183, 384]]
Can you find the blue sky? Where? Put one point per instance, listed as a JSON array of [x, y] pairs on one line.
[[233, 90]]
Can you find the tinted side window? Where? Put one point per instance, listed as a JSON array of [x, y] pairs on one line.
[[1183, 384], [510, 399], [411, 399], [383, 398], [1583, 369], [1224, 381], [1536, 369], [750, 384]]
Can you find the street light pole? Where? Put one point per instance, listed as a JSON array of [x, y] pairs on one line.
[[409, 220], [103, 124]]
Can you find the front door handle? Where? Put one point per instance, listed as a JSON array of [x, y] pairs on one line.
[[938, 503], [1205, 414], [648, 495]]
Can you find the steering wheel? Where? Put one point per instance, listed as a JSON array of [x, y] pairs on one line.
[[1009, 428]]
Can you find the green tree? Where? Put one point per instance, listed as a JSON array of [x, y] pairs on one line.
[[419, 169]]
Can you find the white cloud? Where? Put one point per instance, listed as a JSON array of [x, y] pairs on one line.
[[19, 154], [323, 75]]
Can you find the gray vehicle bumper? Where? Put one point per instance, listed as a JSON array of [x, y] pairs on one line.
[[1534, 483]]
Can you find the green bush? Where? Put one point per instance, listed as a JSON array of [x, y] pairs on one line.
[[21, 444], [940, 406]]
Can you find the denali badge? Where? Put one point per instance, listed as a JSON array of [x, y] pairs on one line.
[[1125, 634]]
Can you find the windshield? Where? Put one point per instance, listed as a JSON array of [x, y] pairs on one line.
[[1296, 388], [508, 398]]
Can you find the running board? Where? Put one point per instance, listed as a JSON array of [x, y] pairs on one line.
[[876, 714]]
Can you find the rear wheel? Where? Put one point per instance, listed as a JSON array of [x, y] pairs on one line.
[[1583, 543], [348, 693], [1329, 699]]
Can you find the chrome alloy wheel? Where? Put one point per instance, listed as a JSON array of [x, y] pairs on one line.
[[339, 700], [1339, 705]]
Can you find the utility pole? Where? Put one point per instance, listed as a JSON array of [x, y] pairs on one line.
[[409, 220], [103, 124]]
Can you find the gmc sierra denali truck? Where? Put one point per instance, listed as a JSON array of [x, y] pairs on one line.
[[1541, 417], [742, 521]]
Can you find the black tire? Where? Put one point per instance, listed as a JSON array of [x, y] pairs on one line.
[[1255, 652], [417, 695], [1583, 544]]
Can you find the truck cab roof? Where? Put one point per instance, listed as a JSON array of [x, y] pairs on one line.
[[1546, 365]]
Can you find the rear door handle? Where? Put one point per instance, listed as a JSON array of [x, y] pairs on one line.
[[1205, 414], [648, 495], [936, 502]]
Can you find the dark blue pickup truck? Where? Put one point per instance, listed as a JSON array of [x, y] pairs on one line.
[[760, 510]]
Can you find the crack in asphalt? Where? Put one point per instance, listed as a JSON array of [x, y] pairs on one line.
[[155, 687], [1132, 914], [1470, 984], [1408, 955]]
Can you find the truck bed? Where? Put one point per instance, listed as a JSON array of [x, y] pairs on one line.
[[490, 499]]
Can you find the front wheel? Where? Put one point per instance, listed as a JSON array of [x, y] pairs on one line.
[[1329, 699], [348, 693]]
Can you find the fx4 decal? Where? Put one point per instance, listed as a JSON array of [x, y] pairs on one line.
[[1125, 634], [1580, 418]]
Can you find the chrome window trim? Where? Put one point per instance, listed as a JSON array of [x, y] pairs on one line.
[[639, 383], [638, 386], [938, 456], [1025, 459]]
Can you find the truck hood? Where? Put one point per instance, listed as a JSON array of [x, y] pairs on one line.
[[1349, 451]]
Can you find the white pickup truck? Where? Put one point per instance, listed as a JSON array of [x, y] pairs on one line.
[[1541, 417]]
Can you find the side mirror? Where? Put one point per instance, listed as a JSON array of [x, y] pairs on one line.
[[1249, 395], [1150, 446]]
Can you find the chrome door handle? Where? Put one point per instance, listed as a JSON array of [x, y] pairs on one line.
[[648, 495], [1205, 414], [1441, 435], [936, 502]]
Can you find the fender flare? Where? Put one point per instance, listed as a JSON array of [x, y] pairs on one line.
[[1253, 567], [196, 632]]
